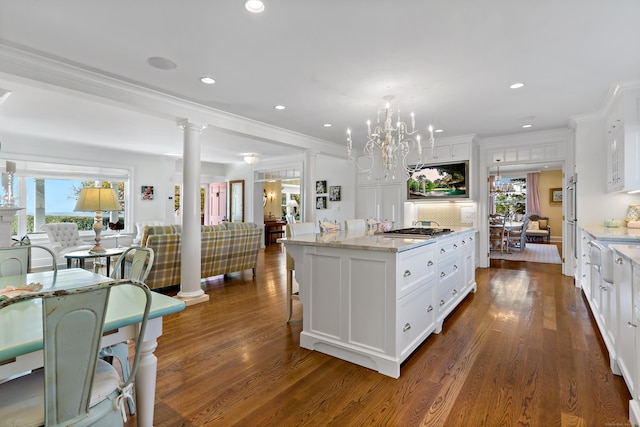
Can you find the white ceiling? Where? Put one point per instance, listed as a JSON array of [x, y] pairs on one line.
[[329, 61]]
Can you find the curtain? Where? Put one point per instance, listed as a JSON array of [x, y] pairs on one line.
[[533, 198]]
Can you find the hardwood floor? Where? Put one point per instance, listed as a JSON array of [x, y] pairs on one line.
[[523, 350]]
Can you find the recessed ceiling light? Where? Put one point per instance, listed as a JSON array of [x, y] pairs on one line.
[[279, 107], [207, 80], [438, 131], [161, 63], [516, 85], [327, 125], [254, 6], [526, 126]]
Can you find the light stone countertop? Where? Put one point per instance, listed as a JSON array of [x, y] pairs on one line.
[[624, 234], [368, 240]]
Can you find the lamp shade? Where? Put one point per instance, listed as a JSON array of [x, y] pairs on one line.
[[97, 200]]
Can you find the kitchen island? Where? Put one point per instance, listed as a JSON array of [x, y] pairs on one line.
[[371, 299]]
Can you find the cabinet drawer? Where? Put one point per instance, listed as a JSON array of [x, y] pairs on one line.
[[451, 247], [414, 269], [448, 291], [448, 267], [416, 319]]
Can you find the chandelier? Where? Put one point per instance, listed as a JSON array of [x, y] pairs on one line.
[[391, 141]]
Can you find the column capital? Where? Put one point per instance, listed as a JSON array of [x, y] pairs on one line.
[[185, 124]]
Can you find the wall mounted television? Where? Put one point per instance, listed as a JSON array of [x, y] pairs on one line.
[[438, 181]]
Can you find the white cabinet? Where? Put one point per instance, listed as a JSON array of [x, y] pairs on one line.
[[626, 318], [615, 159], [375, 307], [623, 143], [584, 263], [446, 151], [454, 260], [382, 199]]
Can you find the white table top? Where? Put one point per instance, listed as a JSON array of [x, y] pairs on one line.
[[21, 330], [89, 254]]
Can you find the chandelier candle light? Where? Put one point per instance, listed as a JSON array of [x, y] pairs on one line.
[[392, 143]]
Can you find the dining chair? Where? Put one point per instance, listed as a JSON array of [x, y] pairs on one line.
[[75, 387], [139, 266], [498, 236], [14, 261], [355, 225], [293, 230], [48, 254], [517, 236]]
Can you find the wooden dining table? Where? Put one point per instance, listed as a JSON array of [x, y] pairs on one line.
[[21, 340], [509, 225]]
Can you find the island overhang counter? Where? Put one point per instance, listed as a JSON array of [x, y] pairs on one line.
[[371, 299]]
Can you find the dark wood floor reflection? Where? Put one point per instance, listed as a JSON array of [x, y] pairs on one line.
[[521, 351]]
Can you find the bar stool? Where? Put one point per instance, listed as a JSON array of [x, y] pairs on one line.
[[292, 230]]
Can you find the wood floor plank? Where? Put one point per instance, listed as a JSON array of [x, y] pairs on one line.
[[521, 351]]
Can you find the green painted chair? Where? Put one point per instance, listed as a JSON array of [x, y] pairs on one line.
[[138, 269], [76, 387], [14, 261]]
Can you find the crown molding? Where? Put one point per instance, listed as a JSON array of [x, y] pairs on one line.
[[38, 69]]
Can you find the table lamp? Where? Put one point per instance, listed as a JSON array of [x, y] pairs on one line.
[[97, 200]]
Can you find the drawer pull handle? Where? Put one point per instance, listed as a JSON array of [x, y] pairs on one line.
[[619, 261], [407, 326], [430, 263], [455, 246], [632, 325], [442, 274], [471, 239], [442, 302], [429, 309], [455, 267], [443, 250], [604, 288], [464, 242], [455, 292], [407, 273]]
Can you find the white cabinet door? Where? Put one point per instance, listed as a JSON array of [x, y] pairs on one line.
[[460, 151], [626, 341], [384, 201], [615, 161]]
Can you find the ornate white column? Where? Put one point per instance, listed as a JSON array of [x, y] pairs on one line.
[[6, 219], [190, 289]]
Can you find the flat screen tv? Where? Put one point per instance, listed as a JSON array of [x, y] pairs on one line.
[[438, 181]]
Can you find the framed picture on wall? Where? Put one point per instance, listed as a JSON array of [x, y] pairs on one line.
[[555, 196], [321, 202], [321, 187], [335, 193], [146, 192]]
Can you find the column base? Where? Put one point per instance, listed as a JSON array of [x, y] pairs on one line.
[[193, 300]]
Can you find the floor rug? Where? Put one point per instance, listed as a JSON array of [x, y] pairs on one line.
[[533, 252]]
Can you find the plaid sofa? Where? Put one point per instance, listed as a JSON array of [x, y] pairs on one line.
[[225, 248]]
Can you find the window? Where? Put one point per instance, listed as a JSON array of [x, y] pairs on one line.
[[511, 197], [48, 193]]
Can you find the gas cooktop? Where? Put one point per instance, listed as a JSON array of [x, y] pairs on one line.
[[418, 232]]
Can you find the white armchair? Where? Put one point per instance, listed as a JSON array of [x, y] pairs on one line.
[[140, 225], [64, 238]]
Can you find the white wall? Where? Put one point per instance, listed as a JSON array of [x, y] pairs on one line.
[[336, 172]]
